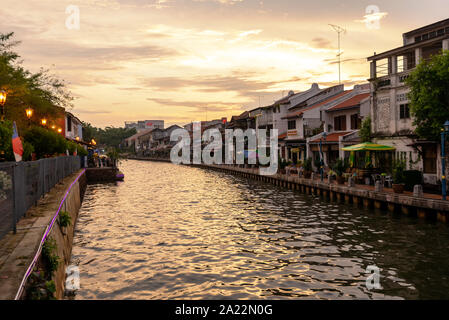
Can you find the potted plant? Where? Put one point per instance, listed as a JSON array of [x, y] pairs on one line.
[[331, 174], [307, 168], [399, 176], [339, 168]]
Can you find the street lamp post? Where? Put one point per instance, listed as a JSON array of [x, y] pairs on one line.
[[2, 117], [443, 160], [323, 135], [3, 95], [44, 122], [29, 113]]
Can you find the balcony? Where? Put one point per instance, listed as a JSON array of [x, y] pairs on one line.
[[392, 80]]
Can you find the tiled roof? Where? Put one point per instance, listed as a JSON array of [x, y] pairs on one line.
[[242, 116], [352, 102], [139, 134], [331, 137], [296, 114]]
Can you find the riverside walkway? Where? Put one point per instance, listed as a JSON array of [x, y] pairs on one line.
[[429, 206], [18, 250]]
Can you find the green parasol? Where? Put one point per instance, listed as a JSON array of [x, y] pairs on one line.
[[368, 146]]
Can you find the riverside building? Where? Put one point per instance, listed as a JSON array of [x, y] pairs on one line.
[[392, 123]]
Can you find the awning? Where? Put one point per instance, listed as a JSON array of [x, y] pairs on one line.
[[368, 146]]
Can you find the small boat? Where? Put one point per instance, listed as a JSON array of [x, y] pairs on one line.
[[120, 176]]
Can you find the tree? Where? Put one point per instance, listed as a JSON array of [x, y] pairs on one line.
[[46, 94], [112, 137], [429, 95], [47, 142], [89, 132], [365, 130]]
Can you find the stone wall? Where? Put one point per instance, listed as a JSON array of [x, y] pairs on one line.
[[64, 236]]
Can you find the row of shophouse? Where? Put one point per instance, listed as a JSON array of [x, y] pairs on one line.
[[153, 142], [330, 118]]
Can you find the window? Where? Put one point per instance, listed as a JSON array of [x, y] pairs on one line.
[[69, 123], [292, 125], [340, 123], [355, 121], [430, 159], [411, 60], [404, 111]]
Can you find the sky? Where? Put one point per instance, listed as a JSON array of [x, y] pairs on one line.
[[190, 60]]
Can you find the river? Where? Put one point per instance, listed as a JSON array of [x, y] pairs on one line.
[[177, 232]]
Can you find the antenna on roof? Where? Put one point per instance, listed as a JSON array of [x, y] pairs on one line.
[[339, 30]]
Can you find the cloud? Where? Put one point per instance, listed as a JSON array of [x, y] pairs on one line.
[[322, 43], [372, 17], [227, 2], [104, 53], [120, 4], [249, 33], [198, 105], [92, 111], [235, 82], [131, 89]]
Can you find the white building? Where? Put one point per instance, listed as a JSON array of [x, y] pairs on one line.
[[73, 127], [391, 120], [342, 120], [144, 125], [305, 118], [274, 116]]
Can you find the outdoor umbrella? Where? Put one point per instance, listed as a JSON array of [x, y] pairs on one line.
[[368, 146]]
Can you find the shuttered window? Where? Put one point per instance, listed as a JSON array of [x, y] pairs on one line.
[[340, 123]]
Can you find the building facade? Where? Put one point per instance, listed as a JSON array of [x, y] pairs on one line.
[[73, 127], [144, 125], [392, 123]]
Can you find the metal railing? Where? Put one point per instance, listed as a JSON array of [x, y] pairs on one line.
[[22, 184]]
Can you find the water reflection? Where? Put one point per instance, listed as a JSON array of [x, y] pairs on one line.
[[173, 232]]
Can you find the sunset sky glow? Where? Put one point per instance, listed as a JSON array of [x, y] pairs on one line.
[[173, 59]]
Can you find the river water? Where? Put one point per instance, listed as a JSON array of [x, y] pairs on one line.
[[176, 232]]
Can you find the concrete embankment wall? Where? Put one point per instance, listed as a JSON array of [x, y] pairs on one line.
[[21, 252], [64, 236]]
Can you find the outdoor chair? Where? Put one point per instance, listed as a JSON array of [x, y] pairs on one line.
[[388, 180], [376, 177]]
